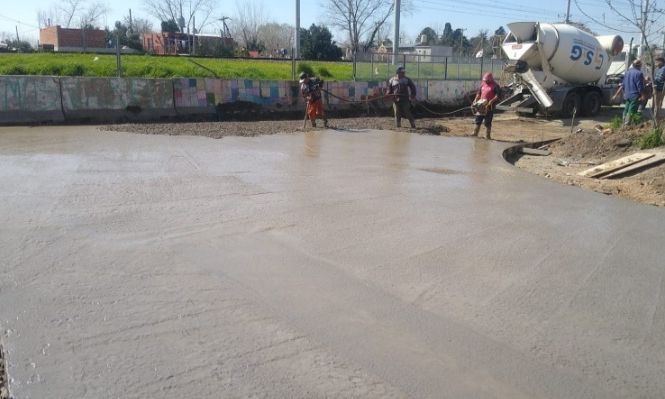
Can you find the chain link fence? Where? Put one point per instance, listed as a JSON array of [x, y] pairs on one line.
[[377, 66]]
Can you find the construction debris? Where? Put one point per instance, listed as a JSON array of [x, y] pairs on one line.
[[617, 164], [649, 162]]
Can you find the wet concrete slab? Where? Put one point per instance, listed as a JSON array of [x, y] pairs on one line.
[[324, 264]]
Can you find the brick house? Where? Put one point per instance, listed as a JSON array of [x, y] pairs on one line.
[[65, 39]]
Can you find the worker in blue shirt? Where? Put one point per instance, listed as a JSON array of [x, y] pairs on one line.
[[633, 86]]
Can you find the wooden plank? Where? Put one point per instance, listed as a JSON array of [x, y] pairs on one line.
[[533, 151], [653, 161], [615, 165]]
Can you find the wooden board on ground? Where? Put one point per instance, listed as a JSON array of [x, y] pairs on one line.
[[615, 165], [533, 151], [653, 161]]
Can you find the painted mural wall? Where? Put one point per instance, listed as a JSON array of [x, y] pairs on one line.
[[33, 99]]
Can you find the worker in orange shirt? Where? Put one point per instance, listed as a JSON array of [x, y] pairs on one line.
[[311, 92]]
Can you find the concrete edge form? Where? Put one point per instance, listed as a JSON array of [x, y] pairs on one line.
[[30, 100], [510, 152]]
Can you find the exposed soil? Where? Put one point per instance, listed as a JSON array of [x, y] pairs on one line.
[[587, 143]]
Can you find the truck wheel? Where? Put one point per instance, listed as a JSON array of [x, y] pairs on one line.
[[570, 103], [591, 103]]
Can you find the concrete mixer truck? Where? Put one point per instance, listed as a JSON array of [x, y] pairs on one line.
[[557, 69]]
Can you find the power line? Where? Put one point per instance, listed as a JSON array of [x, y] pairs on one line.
[[16, 21]]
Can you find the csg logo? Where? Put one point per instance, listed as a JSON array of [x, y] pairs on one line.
[[576, 53]]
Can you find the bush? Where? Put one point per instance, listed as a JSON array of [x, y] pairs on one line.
[[616, 122], [324, 72], [304, 67], [15, 70], [652, 140]]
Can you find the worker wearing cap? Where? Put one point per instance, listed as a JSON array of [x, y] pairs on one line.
[[632, 86], [403, 90], [310, 88]]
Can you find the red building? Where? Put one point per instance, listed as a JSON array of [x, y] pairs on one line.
[[64, 39]]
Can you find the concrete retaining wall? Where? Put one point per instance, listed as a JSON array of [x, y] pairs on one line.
[[30, 99], [116, 99], [33, 99]]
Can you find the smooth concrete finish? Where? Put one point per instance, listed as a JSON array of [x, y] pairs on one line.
[[326, 264]]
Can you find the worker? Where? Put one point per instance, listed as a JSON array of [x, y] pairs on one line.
[[403, 91], [483, 104], [311, 92], [633, 88], [659, 82]]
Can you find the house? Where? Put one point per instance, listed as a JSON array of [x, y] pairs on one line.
[[427, 53], [57, 38]]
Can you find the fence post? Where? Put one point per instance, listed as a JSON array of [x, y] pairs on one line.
[[445, 70], [404, 60], [371, 66], [118, 63], [293, 64], [481, 67], [418, 66]]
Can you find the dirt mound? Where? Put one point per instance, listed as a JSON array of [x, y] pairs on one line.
[[593, 146], [597, 143]]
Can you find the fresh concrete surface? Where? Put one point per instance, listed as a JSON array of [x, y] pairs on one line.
[[325, 264]]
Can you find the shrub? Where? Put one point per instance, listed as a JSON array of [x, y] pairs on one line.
[[15, 70], [616, 122], [304, 67], [324, 72], [652, 140]]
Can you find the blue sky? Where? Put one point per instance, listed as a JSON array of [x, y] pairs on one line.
[[472, 15]]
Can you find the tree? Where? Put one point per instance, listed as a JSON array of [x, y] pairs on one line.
[[447, 35], [428, 36], [276, 36], [361, 19], [184, 12], [249, 16], [138, 25], [72, 13], [126, 37], [170, 26], [13, 44], [480, 43], [317, 44]]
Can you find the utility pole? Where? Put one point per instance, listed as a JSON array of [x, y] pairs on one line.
[[296, 52], [17, 38], [568, 13], [130, 20], [396, 33]]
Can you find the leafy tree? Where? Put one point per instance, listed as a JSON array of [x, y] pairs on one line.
[[316, 44], [427, 36], [18, 45], [170, 26], [127, 38], [447, 35]]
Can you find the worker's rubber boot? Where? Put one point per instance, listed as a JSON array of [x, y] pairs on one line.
[[313, 123], [325, 122], [413, 123], [476, 130], [488, 134], [398, 122]]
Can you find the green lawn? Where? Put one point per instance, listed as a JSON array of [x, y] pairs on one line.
[[168, 67]]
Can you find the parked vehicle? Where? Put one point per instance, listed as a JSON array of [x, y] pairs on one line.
[[558, 68]]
